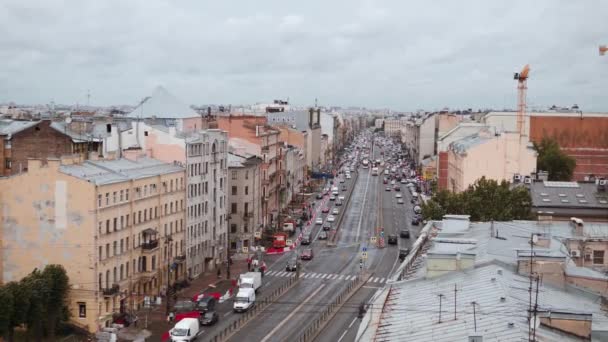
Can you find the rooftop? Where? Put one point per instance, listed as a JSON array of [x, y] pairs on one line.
[[501, 300], [162, 104], [104, 172], [464, 144], [568, 195]]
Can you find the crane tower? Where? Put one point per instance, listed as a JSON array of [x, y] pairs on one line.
[[522, 87]]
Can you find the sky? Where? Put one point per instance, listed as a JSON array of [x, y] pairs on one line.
[[403, 55]]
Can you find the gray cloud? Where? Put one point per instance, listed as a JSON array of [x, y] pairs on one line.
[[399, 54]]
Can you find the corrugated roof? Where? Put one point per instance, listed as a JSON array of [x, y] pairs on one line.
[[119, 170], [10, 127], [411, 312], [462, 145], [162, 104], [235, 160], [567, 195]]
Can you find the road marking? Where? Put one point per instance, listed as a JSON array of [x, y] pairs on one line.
[[353, 322], [227, 313], [371, 287], [271, 273], [271, 333], [342, 336], [362, 208], [382, 280], [318, 275], [341, 276]]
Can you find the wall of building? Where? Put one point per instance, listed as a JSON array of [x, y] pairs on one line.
[[246, 220], [39, 141], [596, 285], [440, 265], [426, 139], [446, 122]]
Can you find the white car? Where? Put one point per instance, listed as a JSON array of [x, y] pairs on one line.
[[319, 221], [398, 195], [336, 211], [341, 198], [331, 218], [348, 176]]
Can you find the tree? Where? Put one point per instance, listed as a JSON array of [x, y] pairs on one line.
[[485, 200], [21, 303], [6, 310], [57, 283], [552, 159]]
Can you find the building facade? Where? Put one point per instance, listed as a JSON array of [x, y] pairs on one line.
[[117, 226], [245, 201]]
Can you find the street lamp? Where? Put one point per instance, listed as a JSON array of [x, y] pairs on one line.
[[168, 249]]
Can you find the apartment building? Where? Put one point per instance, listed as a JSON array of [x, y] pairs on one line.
[[117, 226], [245, 201], [252, 135], [419, 137], [393, 126], [206, 178]]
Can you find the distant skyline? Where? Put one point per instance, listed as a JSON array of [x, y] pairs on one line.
[[402, 55]]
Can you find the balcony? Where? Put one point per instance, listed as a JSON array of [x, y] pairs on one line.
[[248, 215], [111, 291], [180, 259], [150, 245]]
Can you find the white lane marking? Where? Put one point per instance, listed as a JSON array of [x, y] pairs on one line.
[[351, 323], [341, 276], [382, 280], [303, 274], [362, 208], [318, 275], [271, 273], [271, 333], [324, 276], [308, 275], [227, 313], [371, 287], [332, 276], [342, 336], [279, 274]]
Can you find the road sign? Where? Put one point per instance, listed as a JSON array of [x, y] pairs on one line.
[[245, 249], [289, 242], [364, 255], [373, 239]]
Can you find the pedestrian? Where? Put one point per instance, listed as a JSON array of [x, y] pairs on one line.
[[249, 264], [219, 272]]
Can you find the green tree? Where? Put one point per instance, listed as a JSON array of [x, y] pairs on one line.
[[21, 302], [552, 159], [6, 310], [57, 284], [432, 211]]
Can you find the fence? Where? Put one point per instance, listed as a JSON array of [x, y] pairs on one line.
[[260, 305], [318, 324]]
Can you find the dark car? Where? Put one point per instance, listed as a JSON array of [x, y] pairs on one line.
[[403, 253], [338, 203], [206, 304], [209, 318], [292, 265], [319, 196], [327, 226], [306, 254], [397, 188], [323, 235], [306, 240], [344, 188], [405, 233], [415, 221], [392, 239]]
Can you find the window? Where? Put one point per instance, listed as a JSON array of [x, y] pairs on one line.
[[8, 163], [127, 244], [247, 174], [114, 198], [122, 195], [115, 249], [99, 199], [115, 223], [107, 226], [233, 208], [82, 310], [233, 228], [100, 252], [246, 190], [598, 257], [127, 195], [246, 209], [233, 190], [234, 175]]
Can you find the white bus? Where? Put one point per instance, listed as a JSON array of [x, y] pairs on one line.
[[374, 171]]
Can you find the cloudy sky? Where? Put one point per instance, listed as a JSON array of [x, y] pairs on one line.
[[399, 54]]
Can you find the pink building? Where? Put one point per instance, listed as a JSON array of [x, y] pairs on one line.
[[495, 156]]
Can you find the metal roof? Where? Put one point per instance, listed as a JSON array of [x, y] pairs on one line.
[[10, 127], [119, 170], [411, 312], [567, 195], [162, 104]]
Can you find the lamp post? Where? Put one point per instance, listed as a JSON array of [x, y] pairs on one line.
[[168, 247]]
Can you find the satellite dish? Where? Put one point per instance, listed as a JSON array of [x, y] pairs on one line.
[[68, 119]]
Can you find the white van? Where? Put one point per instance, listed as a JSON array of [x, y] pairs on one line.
[[187, 329], [244, 299]]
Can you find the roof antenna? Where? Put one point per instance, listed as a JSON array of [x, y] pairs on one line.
[[474, 315], [440, 300], [455, 291]]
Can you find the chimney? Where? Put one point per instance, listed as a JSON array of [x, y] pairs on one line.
[[578, 225], [133, 154], [602, 184]]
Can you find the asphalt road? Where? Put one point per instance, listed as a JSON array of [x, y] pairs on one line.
[[324, 277], [344, 325]]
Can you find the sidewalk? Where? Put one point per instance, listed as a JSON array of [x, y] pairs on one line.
[[156, 317]]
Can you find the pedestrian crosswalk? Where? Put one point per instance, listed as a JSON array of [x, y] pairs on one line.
[[324, 276]]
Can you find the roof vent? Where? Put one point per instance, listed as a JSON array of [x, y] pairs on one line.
[[503, 299], [546, 200], [562, 195], [499, 272], [582, 201], [493, 279], [475, 338], [511, 325], [580, 195], [544, 194], [565, 201]]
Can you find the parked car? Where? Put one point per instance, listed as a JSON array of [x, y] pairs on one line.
[[342, 198], [336, 211], [415, 221], [397, 188], [398, 195], [338, 203], [405, 233], [306, 239], [209, 318], [323, 235], [319, 221], [331, 218], [306, 254], [206, 304], [332, 198], [392, 239], [327, 226], [400, 201]]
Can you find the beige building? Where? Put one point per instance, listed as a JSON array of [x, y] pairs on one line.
[[495, 156], [419, 137], [244, 201], [115, 225], [394, 126]]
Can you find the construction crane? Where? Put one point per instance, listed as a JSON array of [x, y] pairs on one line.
[[603, 49], [522, 87]]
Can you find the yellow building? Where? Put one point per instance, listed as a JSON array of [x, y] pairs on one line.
[[115, 225]]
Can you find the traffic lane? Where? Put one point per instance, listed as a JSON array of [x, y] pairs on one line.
[[344, 325], [259, 328], [348, 229]]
